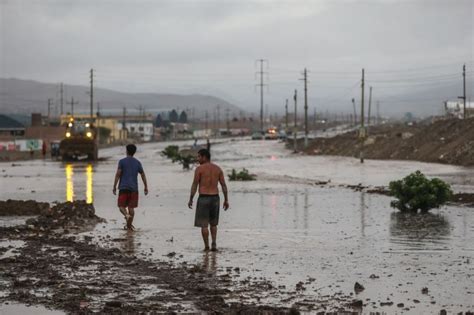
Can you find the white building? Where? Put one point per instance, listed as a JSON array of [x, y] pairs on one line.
[[456, 108], [142, 129]]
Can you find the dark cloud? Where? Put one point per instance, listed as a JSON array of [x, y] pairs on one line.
[[188, 46]]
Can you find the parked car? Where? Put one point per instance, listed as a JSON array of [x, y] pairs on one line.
[[257, 135], [282, 135]]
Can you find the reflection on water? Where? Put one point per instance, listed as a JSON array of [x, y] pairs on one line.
[[89, 191], [419, 230], [69, 182], [71, 194], [128, 245], [209, 262]]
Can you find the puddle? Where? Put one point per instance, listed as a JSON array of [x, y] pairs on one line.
[[14, 309]]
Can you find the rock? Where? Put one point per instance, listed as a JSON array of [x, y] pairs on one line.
[[358, 287], [372, 276], [114, 304], [400, 305], [424, 290], [357, 303], [443, 312]]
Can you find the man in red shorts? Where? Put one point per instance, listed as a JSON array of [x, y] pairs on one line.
[[127, 172]]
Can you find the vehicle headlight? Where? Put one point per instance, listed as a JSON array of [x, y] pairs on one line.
[[68, 134], [69, 125], [89, 134]]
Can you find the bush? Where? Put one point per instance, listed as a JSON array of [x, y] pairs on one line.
[[416, 192], [171, 152], [242, 175]]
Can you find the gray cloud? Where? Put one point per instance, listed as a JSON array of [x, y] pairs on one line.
[[191, 46]]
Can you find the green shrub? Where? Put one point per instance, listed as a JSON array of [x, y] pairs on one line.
[[186, 159], [171, 152], [416, 192], [242, 175]]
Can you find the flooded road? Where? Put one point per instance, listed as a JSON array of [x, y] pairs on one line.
[[319, 240]]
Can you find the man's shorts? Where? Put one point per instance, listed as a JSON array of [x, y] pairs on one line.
[[207, 211], [128, 198]]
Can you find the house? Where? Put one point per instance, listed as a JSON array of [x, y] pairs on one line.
[[144, 130], [10, 129], [456, 109]]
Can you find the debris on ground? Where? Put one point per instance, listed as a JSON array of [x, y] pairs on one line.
[[448, 141], [22, 207]]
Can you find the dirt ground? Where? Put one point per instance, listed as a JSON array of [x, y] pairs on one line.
[[68, 272], [444, 141]]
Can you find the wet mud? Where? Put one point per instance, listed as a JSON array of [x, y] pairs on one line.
[[71, 273]]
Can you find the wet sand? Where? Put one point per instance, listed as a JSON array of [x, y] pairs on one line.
[[311, 242]]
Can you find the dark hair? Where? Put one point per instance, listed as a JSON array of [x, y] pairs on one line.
[[205, 153], [131, 149]]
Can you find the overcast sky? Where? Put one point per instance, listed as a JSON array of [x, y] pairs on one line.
[[210, 47]]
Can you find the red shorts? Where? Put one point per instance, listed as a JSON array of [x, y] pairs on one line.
[[128, 198]]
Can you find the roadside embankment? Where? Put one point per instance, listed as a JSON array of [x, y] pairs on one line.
[[448, 141]]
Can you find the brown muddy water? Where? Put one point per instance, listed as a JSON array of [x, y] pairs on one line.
[[313, 242]]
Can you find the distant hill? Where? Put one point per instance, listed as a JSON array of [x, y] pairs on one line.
[[26, 96]]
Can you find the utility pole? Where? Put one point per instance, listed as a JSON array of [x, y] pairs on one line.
[[355, 112], [261, 85], [124, 121], [305, 79], [61, 91], [72, 103], [295, 128], [98, 122], [378, 112], [49, 110], [370, 107], [286, 115], [227, 110], [314, 118], [206, 122], [218, 117], [362, 128], [92, 93], [463, 97]]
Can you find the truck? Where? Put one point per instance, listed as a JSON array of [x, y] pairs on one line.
[[79, 141]]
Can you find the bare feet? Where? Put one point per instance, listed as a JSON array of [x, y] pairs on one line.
[[214, 247], [206, 249]]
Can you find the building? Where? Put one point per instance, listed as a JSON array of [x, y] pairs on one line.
[[10, 129], [456, 109], [143, 130]]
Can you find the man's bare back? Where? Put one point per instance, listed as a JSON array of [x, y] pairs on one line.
[[208, 176]]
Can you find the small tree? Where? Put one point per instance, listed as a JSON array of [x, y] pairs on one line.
[[243, 175], [171, 152], [416, 192]]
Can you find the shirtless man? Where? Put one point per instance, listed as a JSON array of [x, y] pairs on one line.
[[207, 176]]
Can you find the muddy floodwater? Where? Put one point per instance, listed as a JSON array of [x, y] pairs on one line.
[[284, 227]]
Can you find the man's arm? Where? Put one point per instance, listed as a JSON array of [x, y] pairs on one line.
[[117, 177], [194, 187], [224, 190], [142, 174]]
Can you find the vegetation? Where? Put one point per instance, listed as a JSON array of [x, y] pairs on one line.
[[243, 175], [172, 152], [416, 192]]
